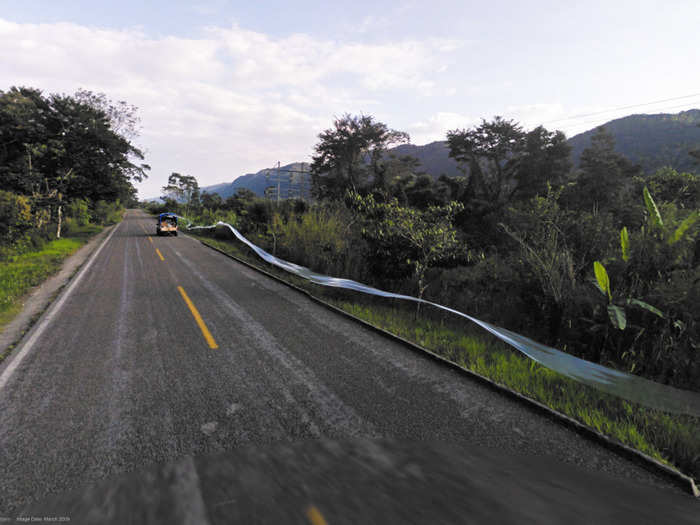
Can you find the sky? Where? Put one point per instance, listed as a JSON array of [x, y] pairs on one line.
[[226, 88]]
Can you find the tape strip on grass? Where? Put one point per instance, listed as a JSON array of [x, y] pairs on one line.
[[626, 386]]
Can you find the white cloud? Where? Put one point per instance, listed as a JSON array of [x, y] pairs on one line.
[[436, 126], [230, 102]]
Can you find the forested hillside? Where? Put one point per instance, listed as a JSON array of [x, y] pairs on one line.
[[257, 182], [652, 141]]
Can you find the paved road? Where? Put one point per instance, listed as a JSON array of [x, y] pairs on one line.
[[124, 377], [364, 482]]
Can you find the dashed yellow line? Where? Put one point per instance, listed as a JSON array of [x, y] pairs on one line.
[[315, 516], [198, 318], [149, 238], [160, 254]]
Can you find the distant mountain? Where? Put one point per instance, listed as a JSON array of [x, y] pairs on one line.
[[652, 141], [257, 182], [434, 158]]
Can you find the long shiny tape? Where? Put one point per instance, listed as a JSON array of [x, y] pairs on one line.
[[627, 386]]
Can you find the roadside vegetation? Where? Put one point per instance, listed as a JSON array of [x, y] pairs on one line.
[[22, 271], [66, 170], [672, 439], [600, 260]]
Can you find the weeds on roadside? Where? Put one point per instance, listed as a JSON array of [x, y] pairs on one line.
[[20, 272]]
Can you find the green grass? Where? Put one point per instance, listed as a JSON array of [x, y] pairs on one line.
[[672, 439], [20, 272]]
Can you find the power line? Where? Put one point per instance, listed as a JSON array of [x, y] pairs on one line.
[[581, 125], [584, 115]]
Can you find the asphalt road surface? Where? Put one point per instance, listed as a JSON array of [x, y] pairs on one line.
[[165, 349]]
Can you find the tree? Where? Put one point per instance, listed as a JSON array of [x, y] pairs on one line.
[[602, 174], [58, 148], [122, 116], [237, 202], [393, 174], [211, 201], [491, 155], [182, 189], [668, 185], [349, 154], [424, 191], [546, 162], [504, 163], [423, 239]]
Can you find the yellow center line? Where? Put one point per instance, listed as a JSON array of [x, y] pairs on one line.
[[200, 322], [160, 254], [149, 238], [315, 516]]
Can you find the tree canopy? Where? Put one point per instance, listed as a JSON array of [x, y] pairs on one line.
[[56, 148], [503, 162], [349, 154]]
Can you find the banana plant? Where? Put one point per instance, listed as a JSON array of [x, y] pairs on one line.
[[672, 237], [617, 312], [617, 309]]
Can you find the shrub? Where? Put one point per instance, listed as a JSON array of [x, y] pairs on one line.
[[107, 212], [15, 217], [78, 210]]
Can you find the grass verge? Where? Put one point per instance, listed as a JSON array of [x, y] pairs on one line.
[[20, 272], [671, 439]]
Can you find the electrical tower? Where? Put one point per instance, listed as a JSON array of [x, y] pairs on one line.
[[288, 183]]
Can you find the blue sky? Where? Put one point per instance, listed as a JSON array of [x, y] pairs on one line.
[[226, 88]]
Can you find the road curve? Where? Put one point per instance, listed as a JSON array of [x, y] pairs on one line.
[[124, 377]]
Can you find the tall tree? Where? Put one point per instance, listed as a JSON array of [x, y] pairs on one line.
[[211, 200], [123, 117], [349, 153], [491, 154], [393, 174], [603, 173], [56, 148], [182, 189], [546, 161], [503, 163]]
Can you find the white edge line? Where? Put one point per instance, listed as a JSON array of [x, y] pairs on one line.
[[46, 320]]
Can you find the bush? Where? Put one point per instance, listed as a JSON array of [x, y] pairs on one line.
[[106, 213], [15, 217], [78, 210], [322, 239]]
